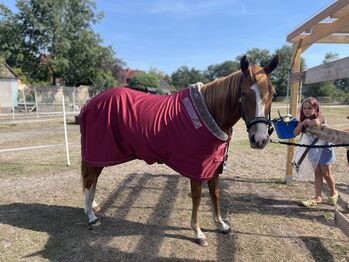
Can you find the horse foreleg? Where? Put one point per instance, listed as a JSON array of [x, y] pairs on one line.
[[213, 186], [89, 178], [196, 198]]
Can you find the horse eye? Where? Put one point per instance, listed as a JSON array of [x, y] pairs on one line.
[[243, 94]]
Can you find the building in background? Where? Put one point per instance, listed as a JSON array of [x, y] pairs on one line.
[[8, 87]]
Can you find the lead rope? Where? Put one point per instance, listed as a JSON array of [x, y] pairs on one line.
[[305, 145]]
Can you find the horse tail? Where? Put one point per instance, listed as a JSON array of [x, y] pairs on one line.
[[89, 174]]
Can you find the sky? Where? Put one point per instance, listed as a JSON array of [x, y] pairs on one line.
[[167, 34]]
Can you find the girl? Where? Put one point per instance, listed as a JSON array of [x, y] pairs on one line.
[[321, 158]]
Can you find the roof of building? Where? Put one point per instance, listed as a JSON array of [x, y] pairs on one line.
[[7, 72]]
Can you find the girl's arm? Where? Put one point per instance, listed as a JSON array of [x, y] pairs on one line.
[[300, 126], [320, 120]]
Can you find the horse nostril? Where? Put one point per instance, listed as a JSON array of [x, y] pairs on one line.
[[253, 139]]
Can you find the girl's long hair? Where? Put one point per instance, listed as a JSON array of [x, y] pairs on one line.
[[314, 103]]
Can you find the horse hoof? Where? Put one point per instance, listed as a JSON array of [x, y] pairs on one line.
[[96, 209], [225, 231], [202, 242], [94, 223]]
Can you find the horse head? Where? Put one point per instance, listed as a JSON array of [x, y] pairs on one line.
[[256, 93]]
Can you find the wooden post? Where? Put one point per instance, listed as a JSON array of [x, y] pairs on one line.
[[342, 222], [296, 66]]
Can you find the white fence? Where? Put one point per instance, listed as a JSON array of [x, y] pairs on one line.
[[43, 101]]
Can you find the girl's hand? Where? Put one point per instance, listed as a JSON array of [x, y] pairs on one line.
[[306, 122], [312, 122]]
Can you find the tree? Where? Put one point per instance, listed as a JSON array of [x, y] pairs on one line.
[[257, 56], [326, 88], [102, 81], [184, 76], [54, 39], [342, 85], [143, 81], [220, 70], [279, 77], [330, 57]]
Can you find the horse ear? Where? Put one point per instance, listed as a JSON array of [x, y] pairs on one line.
[[244, 64], [272, 65]]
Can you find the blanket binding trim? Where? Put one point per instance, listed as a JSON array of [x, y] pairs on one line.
[[202, 110], [191, 112]]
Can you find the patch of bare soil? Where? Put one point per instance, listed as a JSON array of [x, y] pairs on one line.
[[146, 210]]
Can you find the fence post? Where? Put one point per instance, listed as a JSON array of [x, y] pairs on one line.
[[65, 132], [24, 101], [36, 103], [74, 105]]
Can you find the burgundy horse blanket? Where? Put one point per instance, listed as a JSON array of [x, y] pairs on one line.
[[122, 124]]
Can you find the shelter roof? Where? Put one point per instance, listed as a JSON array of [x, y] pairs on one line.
[[330, 25]]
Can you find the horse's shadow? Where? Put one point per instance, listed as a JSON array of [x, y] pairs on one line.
[[70, 238]]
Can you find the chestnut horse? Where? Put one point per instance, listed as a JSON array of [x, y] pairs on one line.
[[190, 136]]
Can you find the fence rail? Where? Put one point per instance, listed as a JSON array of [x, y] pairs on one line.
[[43, 101]]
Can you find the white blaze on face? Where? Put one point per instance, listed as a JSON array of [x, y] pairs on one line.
[[261, 132]]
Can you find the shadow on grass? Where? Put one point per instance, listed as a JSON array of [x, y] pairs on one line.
[[31, 164], [71, 240]]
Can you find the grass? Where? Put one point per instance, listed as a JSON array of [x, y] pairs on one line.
[[43, 211]]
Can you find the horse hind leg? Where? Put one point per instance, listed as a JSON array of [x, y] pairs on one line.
[[213, 186], [196, 198], [90, 176]]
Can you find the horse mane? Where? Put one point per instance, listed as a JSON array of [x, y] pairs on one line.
[[222, 96]]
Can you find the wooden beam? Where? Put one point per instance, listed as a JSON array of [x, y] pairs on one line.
[[340, 13], [297, 77], [330, 71], [334, 39], [328, 26], [296, 51], [325, 31], [342, 222], [333, 8], [331, 135]]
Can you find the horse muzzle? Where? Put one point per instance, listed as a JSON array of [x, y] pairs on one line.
[[258, 132], [258, 142]]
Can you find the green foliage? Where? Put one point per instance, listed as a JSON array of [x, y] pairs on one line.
[[220, 70], [142, 81], [257, 56], [102, 81], [184, 76], [54, 39], [330, 57], [157, 73], [22, 76], [338, 88], [279, 77], [320, 89]]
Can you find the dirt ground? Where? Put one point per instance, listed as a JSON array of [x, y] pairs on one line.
[[146, 209]]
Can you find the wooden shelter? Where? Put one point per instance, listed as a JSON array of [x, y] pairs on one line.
[[330, 25]]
